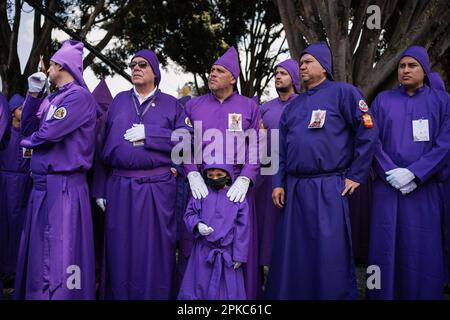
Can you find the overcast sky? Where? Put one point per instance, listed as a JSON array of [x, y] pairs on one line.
[[172, 77]]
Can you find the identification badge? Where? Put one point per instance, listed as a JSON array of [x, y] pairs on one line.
[[51, 111], [317, 119], [27, 153], [234, 122], [139, 143], [420, 130]]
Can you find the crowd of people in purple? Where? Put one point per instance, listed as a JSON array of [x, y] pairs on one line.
[[93, 205]]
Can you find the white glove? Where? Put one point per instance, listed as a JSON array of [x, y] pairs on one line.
[[135, 133], [239, 189], [203, 229], [101, 202], [198, 187], [236, 265], [36, 82], [410, 187], [399, 177]]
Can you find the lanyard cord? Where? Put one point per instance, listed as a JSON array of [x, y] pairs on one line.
[[149, 103]]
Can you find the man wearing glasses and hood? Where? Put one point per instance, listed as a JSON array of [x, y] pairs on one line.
[[139, 187]]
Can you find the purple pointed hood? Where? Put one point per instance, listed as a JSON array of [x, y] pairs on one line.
[[102, 96], [321, 51], [152, 59], [70, 57], [293, 69], [230, 61], [15, 102]]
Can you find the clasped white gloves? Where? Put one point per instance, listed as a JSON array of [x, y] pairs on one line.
[[204, 230], [101, 202], [399, 177], [239, 189], [135, 133], [410, 187], [197, 184], [36, 82]]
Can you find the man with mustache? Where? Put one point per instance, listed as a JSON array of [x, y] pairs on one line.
[[230, 113], [327, 142], [287, 78]]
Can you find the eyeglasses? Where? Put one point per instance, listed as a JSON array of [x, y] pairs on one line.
[[140, 64]]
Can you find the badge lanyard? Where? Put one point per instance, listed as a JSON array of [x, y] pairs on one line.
[[136, 107]]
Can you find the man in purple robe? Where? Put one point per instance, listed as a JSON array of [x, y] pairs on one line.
[[56, 255], [223, 112], [287, 78], [103, 97], [220, 229], [15, 183], [321, 131], [406, 229], [140, 190]]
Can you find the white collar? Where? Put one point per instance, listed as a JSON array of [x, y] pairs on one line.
[[146, 97]]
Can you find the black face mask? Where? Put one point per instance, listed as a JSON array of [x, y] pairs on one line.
[[217, 184]]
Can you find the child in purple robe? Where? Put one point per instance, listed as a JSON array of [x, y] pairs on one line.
[[220, 229]]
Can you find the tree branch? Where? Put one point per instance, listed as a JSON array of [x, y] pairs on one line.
[[286, 9], [98, 8], [112, 31]]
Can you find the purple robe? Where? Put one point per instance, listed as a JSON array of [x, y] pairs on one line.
[[312, 256], [215, 115], [56, 255], [210, 274], [267, 213], [405, 236], [103, 97], [15, 183], [140, 226]]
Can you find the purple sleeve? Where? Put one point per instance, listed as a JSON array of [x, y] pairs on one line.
[[78, 111], [242, 234], [29, 122], [192, 216], [364, 139], [279, 179], [249, 170], [382, 161], [434, 160]]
